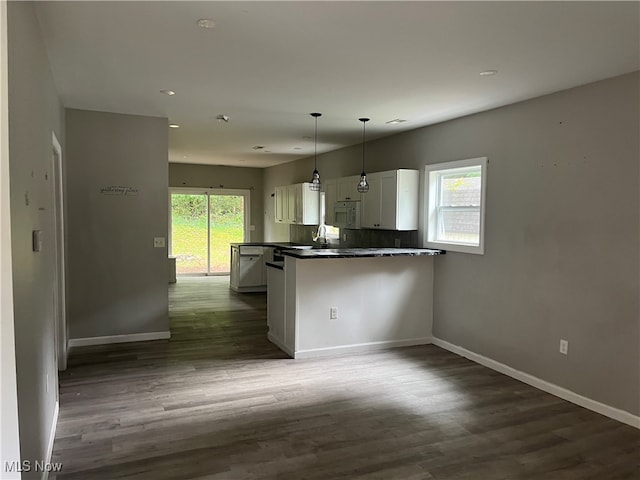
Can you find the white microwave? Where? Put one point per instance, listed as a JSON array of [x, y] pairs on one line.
[[347, 215]]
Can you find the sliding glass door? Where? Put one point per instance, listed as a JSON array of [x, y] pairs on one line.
[[202, 226], [226, 226]]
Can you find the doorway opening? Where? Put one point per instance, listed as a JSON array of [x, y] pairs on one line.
[[202, 225]]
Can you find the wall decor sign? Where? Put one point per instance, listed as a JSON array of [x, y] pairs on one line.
[[118, 190]]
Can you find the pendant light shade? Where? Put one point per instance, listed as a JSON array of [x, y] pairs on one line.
[[315, 184], [363, 185]]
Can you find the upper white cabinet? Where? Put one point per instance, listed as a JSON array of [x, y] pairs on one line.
[[347, 189], [297, 204], [290, 214], [392, 200], [343, 189], [280, 204]]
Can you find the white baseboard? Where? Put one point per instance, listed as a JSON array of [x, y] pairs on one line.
[[360, 347], [258, 289], [601, 408], [280, 344], [132, 337], [52, 437]]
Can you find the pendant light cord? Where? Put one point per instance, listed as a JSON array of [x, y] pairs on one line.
[[315, 145], [364, 127], [315, 184]]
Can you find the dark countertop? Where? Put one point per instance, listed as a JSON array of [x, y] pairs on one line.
[[271, 244], [361, 252], [278, 265]]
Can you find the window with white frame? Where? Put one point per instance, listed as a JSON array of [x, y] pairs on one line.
[[455, 204]]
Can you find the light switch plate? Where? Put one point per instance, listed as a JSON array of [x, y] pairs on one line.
[[158, 242], [564, 346]]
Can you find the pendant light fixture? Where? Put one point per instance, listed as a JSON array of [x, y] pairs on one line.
[[363, 185], [315, 185]]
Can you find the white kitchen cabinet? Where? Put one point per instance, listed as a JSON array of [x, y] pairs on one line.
[[307, 205], [343, 189], [348, 189], [392, 200], [290, 215], [297, 204], [280, 204]]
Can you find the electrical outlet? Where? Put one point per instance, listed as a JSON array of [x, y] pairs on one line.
[[564, 346], [333, 313], [46, 383], [158, 242], [344, 237]]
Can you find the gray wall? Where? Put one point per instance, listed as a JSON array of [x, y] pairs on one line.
[[34, 112], [381, 156], [561, 244], [217, 176], [561, 235], [117, 280]]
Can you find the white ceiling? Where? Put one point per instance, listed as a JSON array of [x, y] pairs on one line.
[[267, 65]]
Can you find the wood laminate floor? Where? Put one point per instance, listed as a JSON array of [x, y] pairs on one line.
[[218, 401]]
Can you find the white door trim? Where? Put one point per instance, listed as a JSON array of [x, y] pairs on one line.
[[60, 293]]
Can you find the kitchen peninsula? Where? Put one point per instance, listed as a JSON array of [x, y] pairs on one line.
[[332, 301]]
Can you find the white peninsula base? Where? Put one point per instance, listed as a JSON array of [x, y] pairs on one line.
[[380, 302]]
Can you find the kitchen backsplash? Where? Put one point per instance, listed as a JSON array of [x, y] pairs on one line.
[[357, 238]]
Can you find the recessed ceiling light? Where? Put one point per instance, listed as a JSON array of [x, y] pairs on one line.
[[168, 92], [258, 147], [488, 73], [297, 148], [206, 23], [174, 125], [395, 121]]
